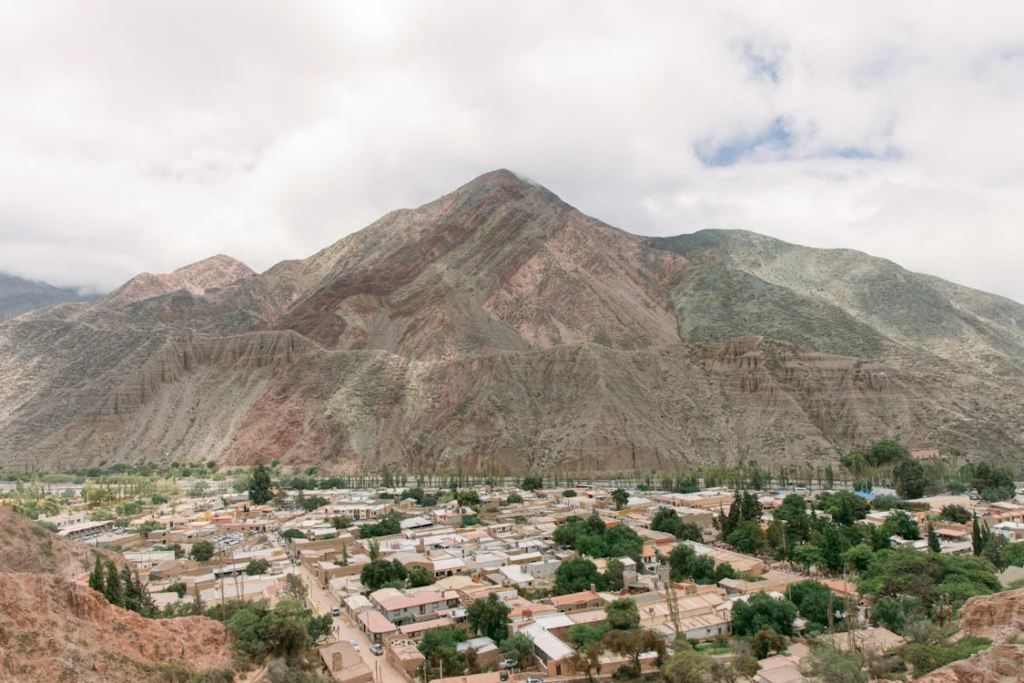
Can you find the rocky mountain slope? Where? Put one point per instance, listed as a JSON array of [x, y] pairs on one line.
[[27, 547], [54, 630], [19, 296], [500, 327]]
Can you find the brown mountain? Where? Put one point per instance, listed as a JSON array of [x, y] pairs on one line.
[[500, 327]]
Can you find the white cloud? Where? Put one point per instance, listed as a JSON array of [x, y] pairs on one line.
[[143, 136]]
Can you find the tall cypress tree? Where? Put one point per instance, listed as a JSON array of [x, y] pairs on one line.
[[112, 588], [96, 576], [933, 540], [977, 540]]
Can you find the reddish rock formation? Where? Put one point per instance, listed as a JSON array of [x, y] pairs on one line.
[[52, 630], [1000, 617]]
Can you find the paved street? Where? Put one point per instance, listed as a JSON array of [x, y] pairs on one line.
[[322, 602]]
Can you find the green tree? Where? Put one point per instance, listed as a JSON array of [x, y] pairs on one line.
[[420, 576], [202, 551], [977, 537], [257, 567], [760, 610], [588, 661], [633, 644], [888, 612], [903, 525], [576, 575], [292, 533], [767, 641], [926, 576], [679, 561], [96, 581], [993, 552], [620, 498], [748, 537], [623, 541], [259, 486], [832, 548], [295, 586], [702, 569], [591, 546], [858, 558], [313, 502], [793, 512], [613, 575], [583, 635], [933, 540], [884, 452], [828, 664], [438, 647], [909, 477], [532, 483], [389, 525], [113, 589], [514, 499], [992, 483], [468, 498], [518, 647], [1012, 555], [845, 507], [955, 513], [379, 573], [622, 614], [149, 526], [814, 601], [668, 521], [686, 665], [490, 618]]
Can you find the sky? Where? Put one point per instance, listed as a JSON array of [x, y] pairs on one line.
[[140, 137]]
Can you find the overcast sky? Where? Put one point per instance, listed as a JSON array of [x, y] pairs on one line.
[[142, 136]]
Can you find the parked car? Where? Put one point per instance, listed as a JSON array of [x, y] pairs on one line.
[[377, 649], [355, 645], [508, 663], [335, 612], [534, 680]]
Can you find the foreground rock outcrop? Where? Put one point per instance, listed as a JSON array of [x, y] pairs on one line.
[[499, 327], [27, 547], [54, 630], [1000, 617]]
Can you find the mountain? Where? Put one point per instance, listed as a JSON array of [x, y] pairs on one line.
[[500, 327], [19, 296]]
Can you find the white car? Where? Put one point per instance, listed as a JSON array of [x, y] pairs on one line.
[[355, 645]]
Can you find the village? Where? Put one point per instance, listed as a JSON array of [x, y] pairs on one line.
[[490, 583]]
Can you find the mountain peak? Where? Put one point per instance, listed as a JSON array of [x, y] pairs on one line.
[[503, 180], [196, 279]]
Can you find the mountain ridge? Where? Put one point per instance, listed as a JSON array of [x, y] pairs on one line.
[[499, 327]]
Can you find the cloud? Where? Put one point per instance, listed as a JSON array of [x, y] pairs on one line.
[[146, 136]]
